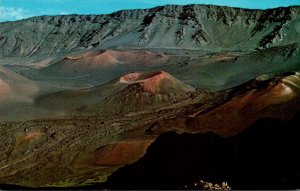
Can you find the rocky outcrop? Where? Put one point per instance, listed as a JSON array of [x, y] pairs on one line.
[[190, 26]]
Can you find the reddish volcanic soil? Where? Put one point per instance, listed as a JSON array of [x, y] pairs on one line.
[[15, 88], [157, 82], [77, 150], [121, 153], [108, 59], [29, 137], [4, 89], [131, 92], [145, 91], [278, 99]]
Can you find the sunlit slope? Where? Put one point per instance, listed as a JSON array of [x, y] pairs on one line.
[[229, 72], [213, 28], [104, 62], [132, 92], [15, 88]]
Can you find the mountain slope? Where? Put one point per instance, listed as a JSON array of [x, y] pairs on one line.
[[266, 96], [192, 26], [104, 61], [15, 88], [132, 92], [228, 74], [80, 150], [264, 156]]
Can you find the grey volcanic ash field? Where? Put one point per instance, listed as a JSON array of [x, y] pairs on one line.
[[151, 99]]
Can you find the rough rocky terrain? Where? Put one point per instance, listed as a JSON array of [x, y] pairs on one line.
[[83, 95], [191, 26], [79, 150]]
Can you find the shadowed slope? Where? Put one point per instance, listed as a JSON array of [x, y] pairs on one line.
[[264, 156]]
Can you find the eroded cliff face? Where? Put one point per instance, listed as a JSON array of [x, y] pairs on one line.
[[191, 26]]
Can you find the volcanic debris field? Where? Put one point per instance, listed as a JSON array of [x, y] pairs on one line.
[[160, 98]]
